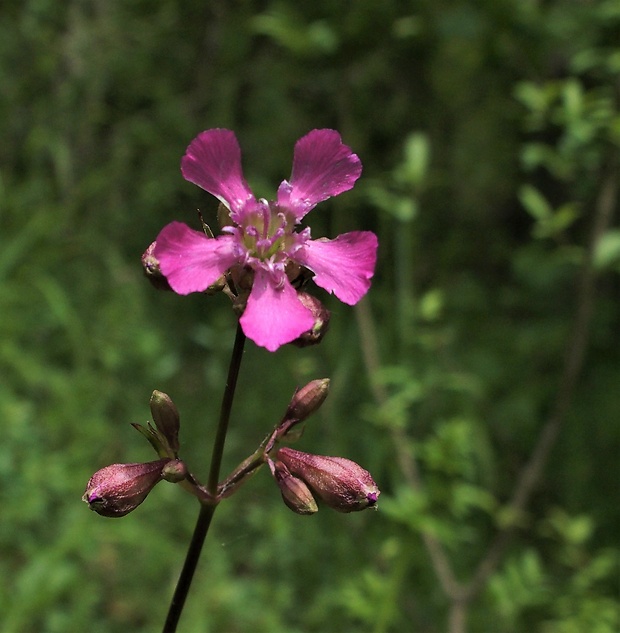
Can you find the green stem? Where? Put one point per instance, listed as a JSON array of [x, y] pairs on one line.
[[207, 510], [241, 473]]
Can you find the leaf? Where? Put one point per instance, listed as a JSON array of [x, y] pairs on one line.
[[535, 203], [607, 251]]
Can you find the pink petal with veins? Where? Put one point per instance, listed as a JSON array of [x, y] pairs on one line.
[[322, 167], [213, 162], [190, 260], [274, 316], [343, 266]]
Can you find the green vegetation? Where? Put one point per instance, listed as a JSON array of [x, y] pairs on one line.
[[478, 382]]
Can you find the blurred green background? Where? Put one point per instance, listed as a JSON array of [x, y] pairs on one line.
[[479, 382]]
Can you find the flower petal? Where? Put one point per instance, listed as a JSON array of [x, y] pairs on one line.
[[343, 266], [322, 167], [190, 260], [213, 162], [274, 316]]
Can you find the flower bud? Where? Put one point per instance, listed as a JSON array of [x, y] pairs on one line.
[[166, 418], [340, 483], [295, 493], [150, 264], [321, 317], [307, 400], [304, 403], [116, 490], [174, 471]]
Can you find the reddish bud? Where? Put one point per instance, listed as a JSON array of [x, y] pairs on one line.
[[295, 493], [340, 483], [150, 264], [307, 400], [116, 490], [321, 317], [304, 403]]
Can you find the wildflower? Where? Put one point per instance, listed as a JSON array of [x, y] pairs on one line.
[[260, 236], [339, 482]]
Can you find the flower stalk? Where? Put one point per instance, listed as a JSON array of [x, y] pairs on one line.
[[207, 509]]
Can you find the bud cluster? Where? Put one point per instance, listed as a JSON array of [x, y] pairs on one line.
[[339, 483], [117, 490], [303, 478]]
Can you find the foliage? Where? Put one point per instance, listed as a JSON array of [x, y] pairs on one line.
[[489, 133]]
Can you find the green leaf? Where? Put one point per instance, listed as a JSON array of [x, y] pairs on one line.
[[535, 203], [607, 251]]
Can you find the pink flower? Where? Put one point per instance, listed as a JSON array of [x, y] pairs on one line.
[[262, 237]]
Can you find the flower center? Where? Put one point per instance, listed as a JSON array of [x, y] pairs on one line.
[[267, 231]]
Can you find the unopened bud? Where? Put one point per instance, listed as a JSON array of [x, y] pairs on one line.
[[166, 418], [340, 483], [174, 471], [304, 403], [116, 490], [321, 317], [295, 493], [308, 399], [150, 264]]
